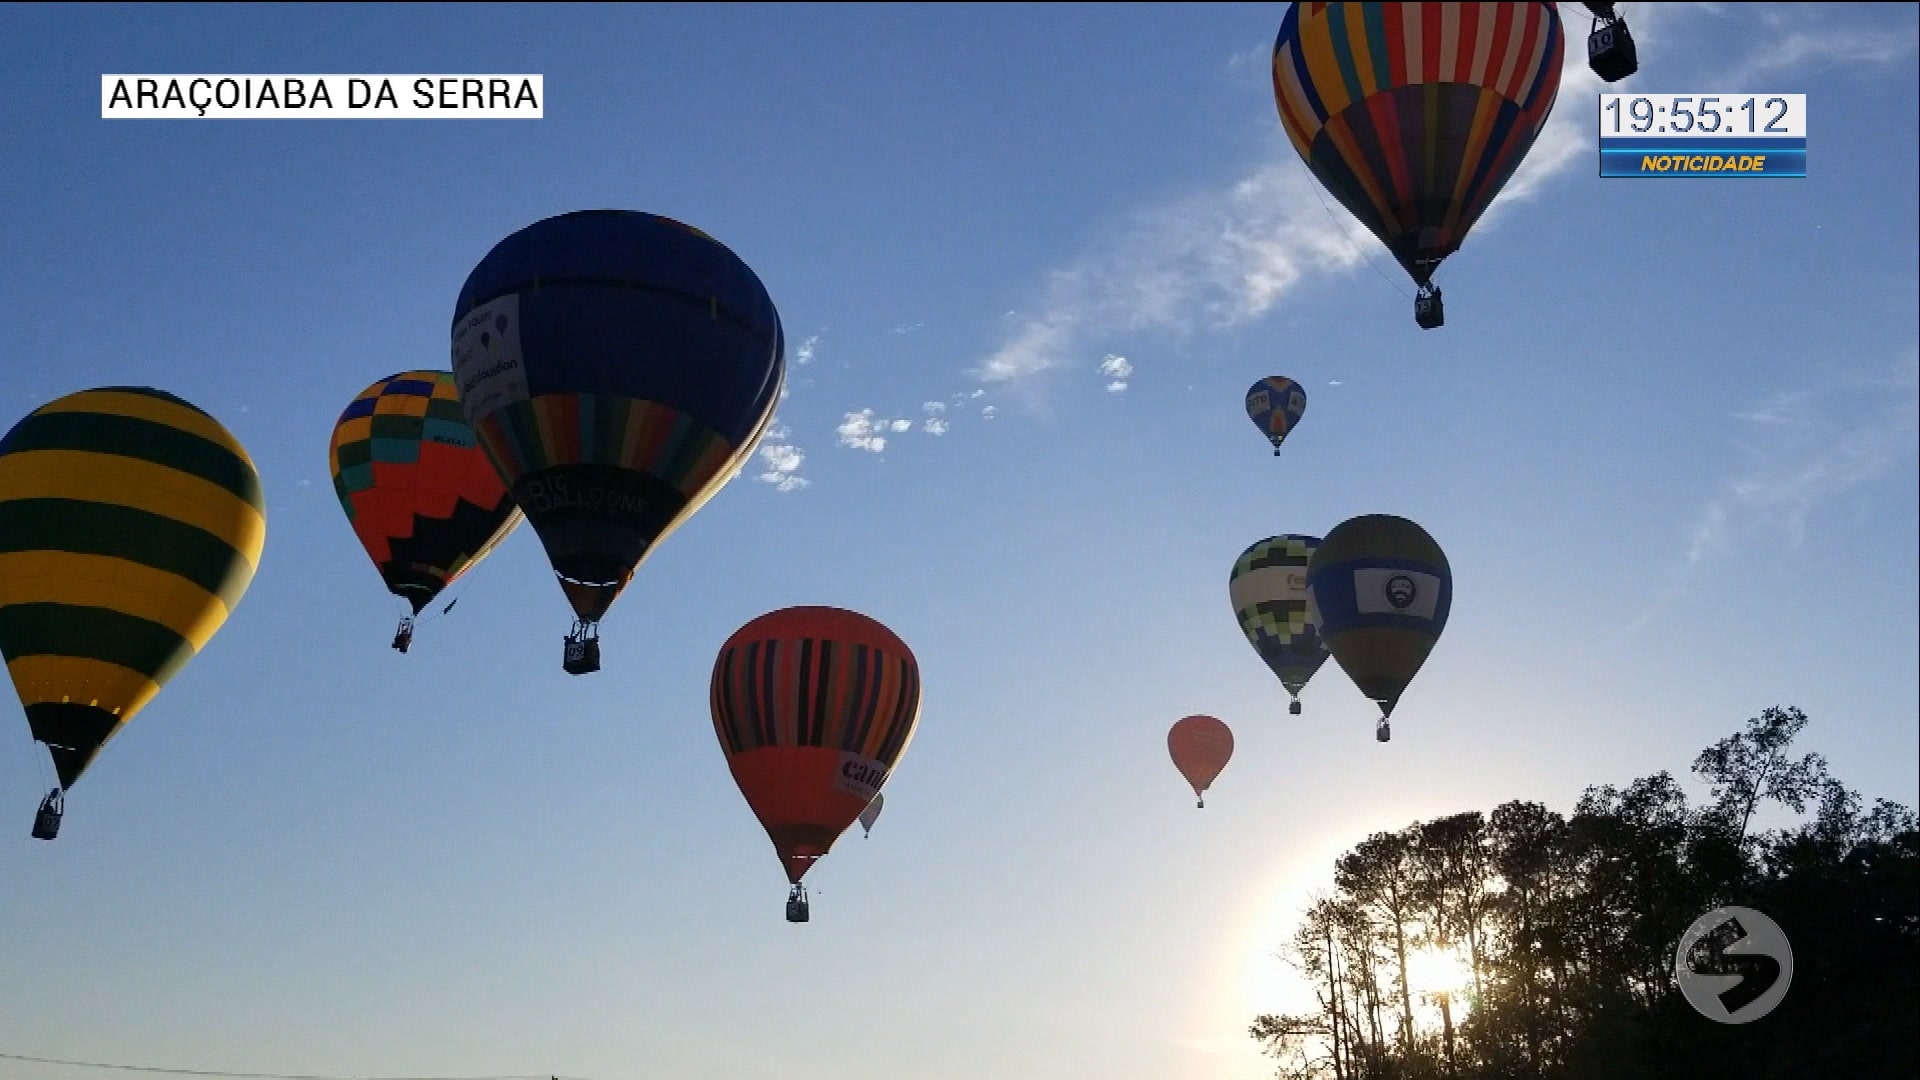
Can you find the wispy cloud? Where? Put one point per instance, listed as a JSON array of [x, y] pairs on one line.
[[1117, 370], [935, 423], [780, 460], [804, 354], [1806, 39], [906, 329], [1807, 448], [1219, 257]]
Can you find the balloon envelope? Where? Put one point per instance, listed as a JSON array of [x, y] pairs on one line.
[[1383, 589], [423, 499], [1275, 404], [617, 367], [1200, 746], [131, 523], [1268, 588], [1415, 115], [813, 707]]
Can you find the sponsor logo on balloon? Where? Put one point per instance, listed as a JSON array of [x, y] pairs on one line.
[[549, 494], [860, 776], [486, 358], [1401, 591]]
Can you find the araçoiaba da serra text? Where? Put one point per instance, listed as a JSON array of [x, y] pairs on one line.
[[291, 92]]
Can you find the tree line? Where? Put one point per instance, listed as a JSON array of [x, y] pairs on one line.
[[1565, 928]]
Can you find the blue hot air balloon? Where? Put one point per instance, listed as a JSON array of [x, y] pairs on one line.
[[618, 367], [1383, 590]]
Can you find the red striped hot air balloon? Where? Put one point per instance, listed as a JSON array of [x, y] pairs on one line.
[[813, 707], [1415, 115]]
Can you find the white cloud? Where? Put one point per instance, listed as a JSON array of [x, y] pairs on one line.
[[988, 411], [934, 406], [934, 426], [804, 354], [1117, 369], [860, 431], [904, 329], [780, 460], [1807, 448], [900, 425]]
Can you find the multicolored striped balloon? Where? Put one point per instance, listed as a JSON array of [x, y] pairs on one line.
[[813, 707], [1415, 115], [131, 523], [423, 499]]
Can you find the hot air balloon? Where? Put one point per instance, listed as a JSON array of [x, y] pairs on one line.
[[131, 523], [1383, 590], [617, 367], [813, 707], [1201, 747], [1268, 588], [871, 814], [422, 498], [1415, 115], [1275, 404]]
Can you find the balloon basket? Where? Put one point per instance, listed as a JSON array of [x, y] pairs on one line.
[[797, 905], [1610, 50], [1383, 732], [582, 654], [403, 637], [1293, 708], [46, 823], [1428, 309]]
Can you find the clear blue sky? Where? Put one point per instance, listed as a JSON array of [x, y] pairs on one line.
[[1667, 440]]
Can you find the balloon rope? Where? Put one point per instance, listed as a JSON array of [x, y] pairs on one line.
[[264, 1076], [1314, 182]]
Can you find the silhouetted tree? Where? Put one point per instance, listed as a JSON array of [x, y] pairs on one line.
[[1568, 926]]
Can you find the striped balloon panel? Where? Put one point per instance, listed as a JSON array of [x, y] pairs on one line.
[[1414, 115], [131, 523], [421, 494]]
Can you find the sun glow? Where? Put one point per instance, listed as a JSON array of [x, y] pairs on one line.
[[1435, 972]]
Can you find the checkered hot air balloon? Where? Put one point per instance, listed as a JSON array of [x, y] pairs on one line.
[[422, 498], [1268, 587]]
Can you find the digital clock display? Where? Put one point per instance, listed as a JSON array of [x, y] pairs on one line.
[[1703, 135]]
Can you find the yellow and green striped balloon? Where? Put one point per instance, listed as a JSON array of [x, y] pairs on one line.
[[131, 523]]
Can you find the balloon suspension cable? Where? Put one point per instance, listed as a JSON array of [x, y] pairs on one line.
[[1358, 248]]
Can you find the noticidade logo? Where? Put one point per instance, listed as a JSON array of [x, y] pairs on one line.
[[1733, 965]]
